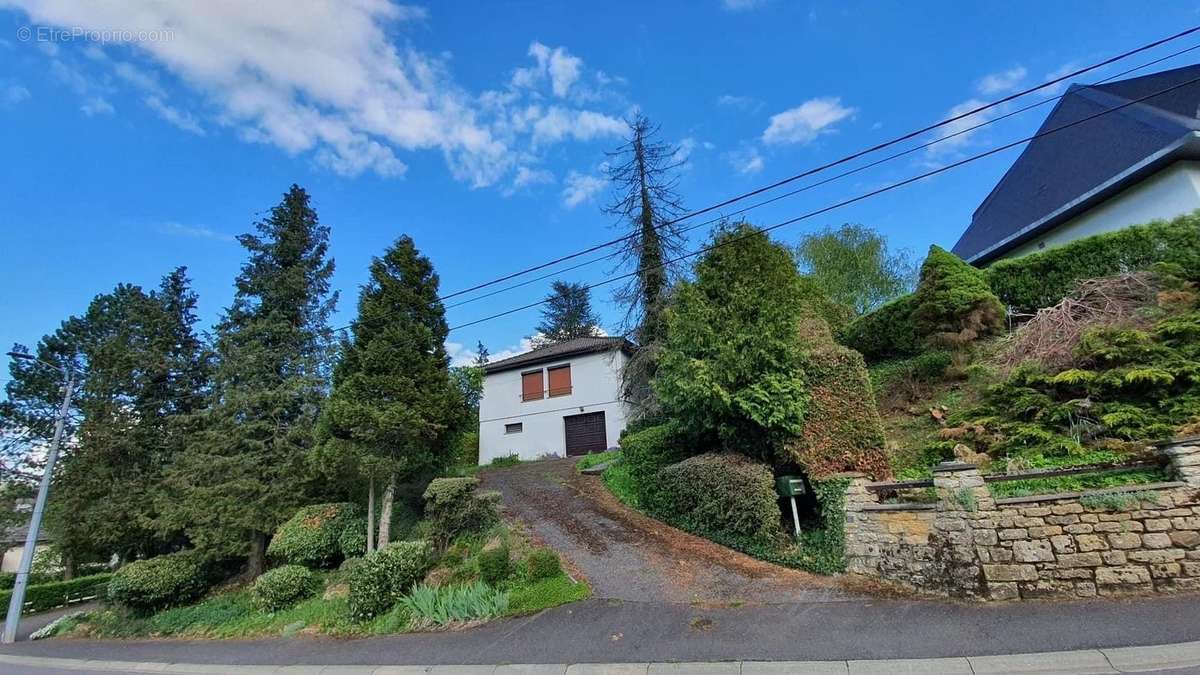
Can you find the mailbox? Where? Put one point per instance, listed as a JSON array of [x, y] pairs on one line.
[[790, 486]]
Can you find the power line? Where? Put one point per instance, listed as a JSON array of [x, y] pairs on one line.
[[823, 167], [580, 406], [831, 179], [852, 200]]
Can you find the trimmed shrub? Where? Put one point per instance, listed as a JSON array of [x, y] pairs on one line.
[[1043, 279], [494, 566], [454, 506], [45, 596], [725, 494], [542, 563], [647, 451], [954, 304], [382, 577], [312, 537], [842, 431], [888, 332], [283, 587], [164, 581], [352, 542]]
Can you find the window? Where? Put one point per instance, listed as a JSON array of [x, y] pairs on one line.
[[531, 386], [513, 428], [560, 380]]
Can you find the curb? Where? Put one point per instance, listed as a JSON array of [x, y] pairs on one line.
[[1115, 660]]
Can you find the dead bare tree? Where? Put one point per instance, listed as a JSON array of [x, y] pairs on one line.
[[644, 176]]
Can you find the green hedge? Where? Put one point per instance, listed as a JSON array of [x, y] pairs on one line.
[[888, 332], [1042, 279], [454, 506], [727, 494], [646, 452], [42, 597], [283, 587], [384, 576], [954, 304], [313, 537], [164, 581]]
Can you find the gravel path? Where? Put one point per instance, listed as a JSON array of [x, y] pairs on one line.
[[625, 555]]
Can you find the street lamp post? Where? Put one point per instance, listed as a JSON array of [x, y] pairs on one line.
[[17, 601]]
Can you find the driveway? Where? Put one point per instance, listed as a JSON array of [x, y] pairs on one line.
[[625, 555]]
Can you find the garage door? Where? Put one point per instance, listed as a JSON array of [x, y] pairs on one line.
[[585, 433]]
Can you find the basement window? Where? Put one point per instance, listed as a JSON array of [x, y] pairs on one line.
[[513, 428]]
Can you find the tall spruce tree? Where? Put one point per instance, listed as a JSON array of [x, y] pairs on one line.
[[394, 404], [567, 314], [141, 371], [246, 471], [643, 172]]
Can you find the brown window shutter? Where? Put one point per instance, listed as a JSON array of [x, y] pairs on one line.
[[560, 380], [531, 386]]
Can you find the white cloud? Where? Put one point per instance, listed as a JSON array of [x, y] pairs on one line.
[[1001, 83], [180, 118], [1062, 71], [527, 176], [198, 232], [958, 133], [12, 93], [744, 103], [582, 125], [746, 161], [806, 121], [460, 355], [96, 105], [327, 78], [581, 188], [742, 5]]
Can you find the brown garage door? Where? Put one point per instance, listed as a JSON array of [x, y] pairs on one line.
[[585, 433]]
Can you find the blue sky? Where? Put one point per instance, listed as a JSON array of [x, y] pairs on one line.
[[479, 128]]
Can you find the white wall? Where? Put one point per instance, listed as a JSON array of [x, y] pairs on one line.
[[12, 557], [1171, 192], [595, 380]]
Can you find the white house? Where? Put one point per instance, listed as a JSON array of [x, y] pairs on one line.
[[559, 400], [1123, 153]]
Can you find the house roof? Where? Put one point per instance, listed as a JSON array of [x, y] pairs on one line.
[[1064, 173], [560, 350], [15, 536]]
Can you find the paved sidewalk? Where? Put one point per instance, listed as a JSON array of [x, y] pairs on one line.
[[1177, 657]]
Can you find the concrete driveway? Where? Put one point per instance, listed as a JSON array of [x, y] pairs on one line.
[[625, 555]]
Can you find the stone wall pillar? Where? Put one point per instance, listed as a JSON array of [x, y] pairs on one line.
[[964, 506], [862, 549], [1184, 455]]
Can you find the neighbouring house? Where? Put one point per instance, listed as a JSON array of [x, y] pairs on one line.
[[560, 400], [1130, 166], [13, 540]]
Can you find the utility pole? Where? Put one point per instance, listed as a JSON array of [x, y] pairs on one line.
[[17, 602]]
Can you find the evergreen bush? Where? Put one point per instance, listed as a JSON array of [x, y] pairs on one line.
[[164, 581], [542, 563], [313, 536], [726, 494], [888, 332], [645, 452], [382, 577], [454, 506], [953, 303], [1042, 279], [352, 542], [283, 587], [494, 565]]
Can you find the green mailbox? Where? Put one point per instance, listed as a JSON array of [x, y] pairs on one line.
[[790, 486]]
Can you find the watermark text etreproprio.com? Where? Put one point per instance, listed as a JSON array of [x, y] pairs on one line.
[[80, 34]]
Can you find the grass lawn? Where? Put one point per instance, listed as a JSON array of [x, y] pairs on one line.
[[229, 612], [588, 461]]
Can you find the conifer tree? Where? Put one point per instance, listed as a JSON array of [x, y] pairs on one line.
[[245, 472], [394, 404], [567, 314]]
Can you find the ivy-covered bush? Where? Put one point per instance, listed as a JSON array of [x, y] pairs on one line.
[[842, 430], [382, 577], [283, 587], [885, 333], [726, 494], [454, 506], [542, 563], [953, 303], [313, 536], [645, 452], [1042, 279], [731, 372], [164, 581]]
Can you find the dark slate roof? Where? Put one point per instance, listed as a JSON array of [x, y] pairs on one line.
[[560, 350], [1066, 172], [15, 536]]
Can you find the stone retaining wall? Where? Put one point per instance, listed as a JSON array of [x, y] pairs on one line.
[[1134, 539]]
